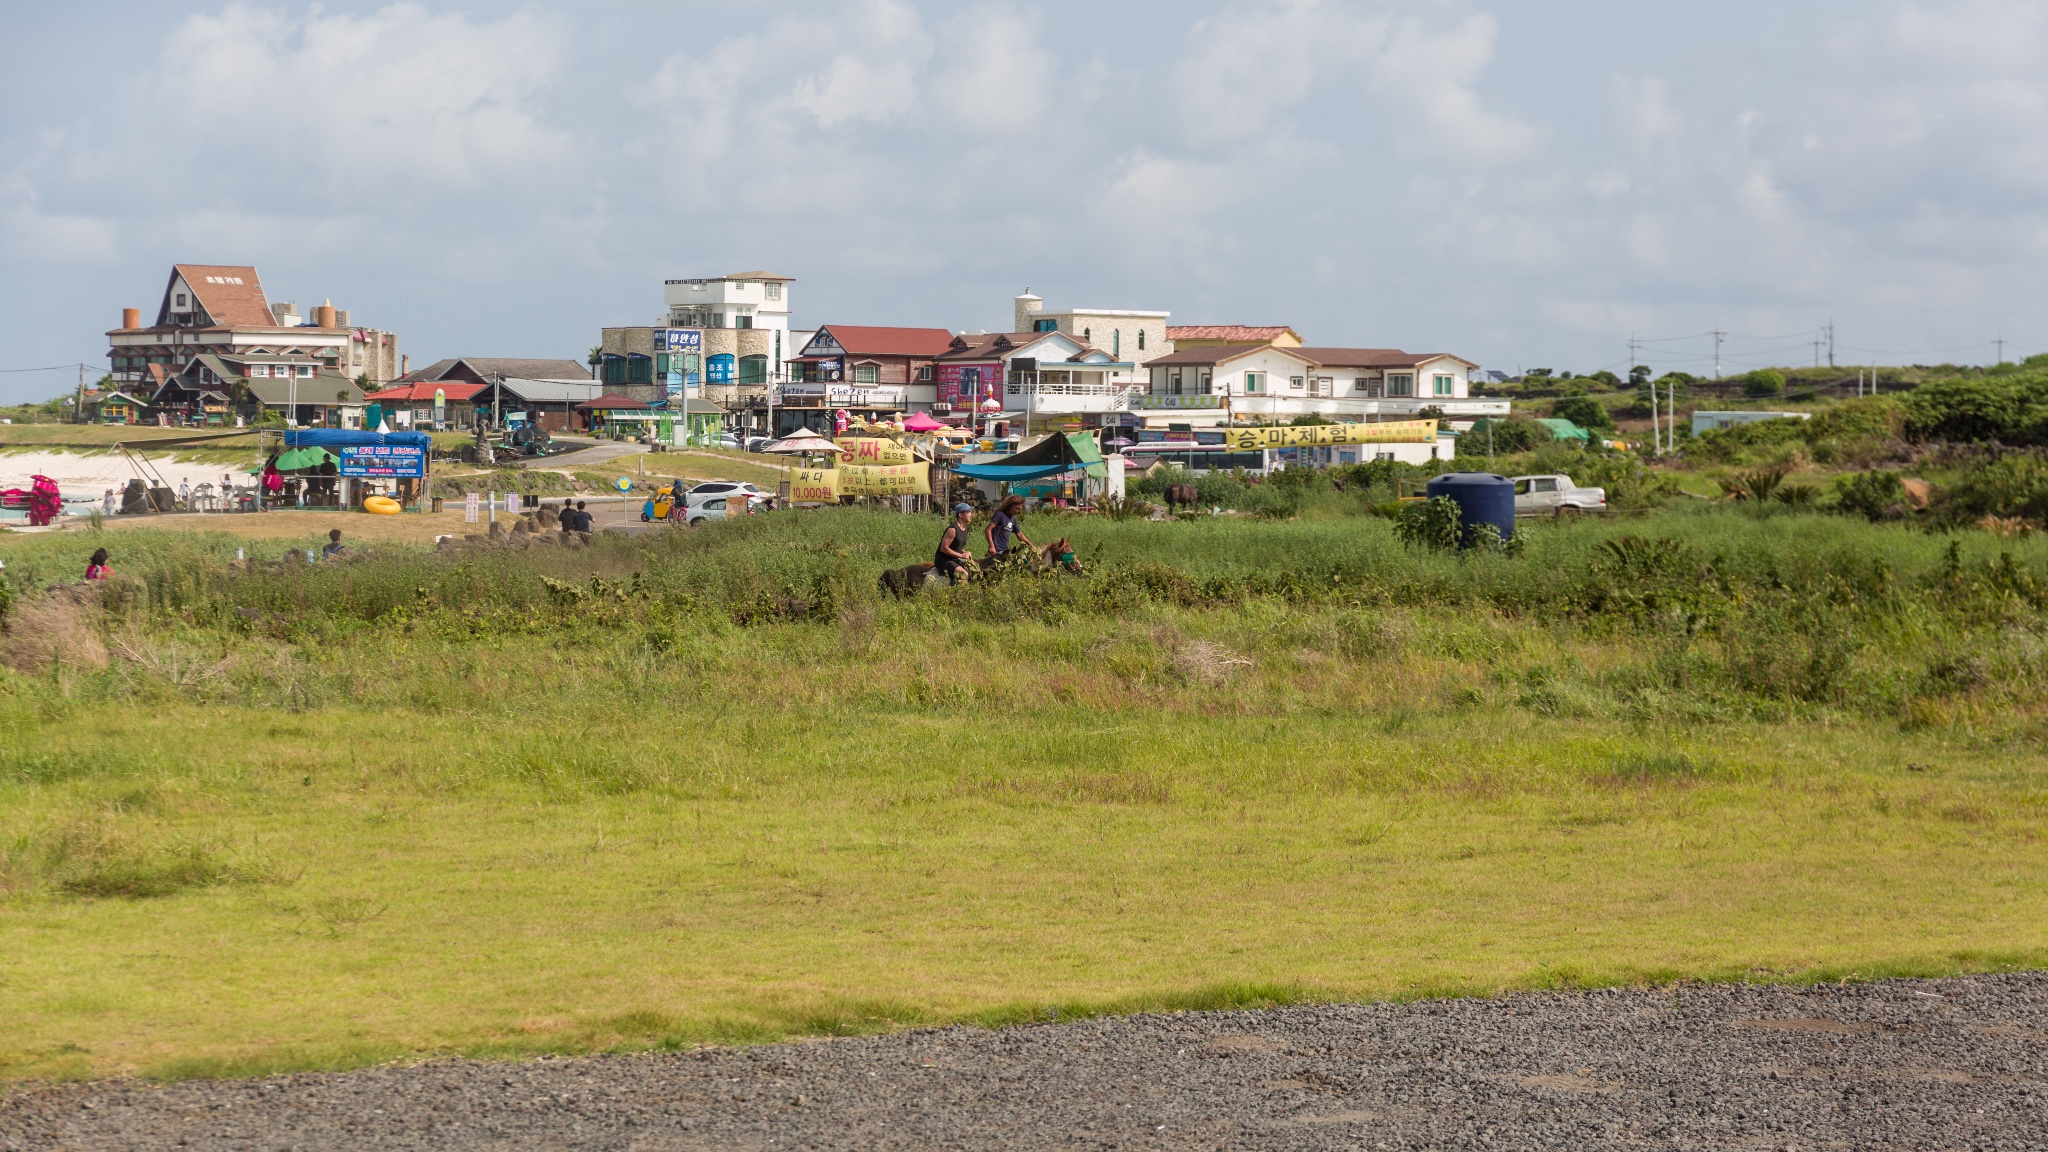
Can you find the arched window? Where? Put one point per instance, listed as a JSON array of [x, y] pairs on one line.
[[719, 369], [1141, 339], [753, 369], [1088, 334], [1116, 342]]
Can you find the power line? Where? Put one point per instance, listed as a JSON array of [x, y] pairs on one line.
[[51, 368]]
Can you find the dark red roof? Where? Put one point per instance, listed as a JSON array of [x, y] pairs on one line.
[[1370, 357], [612, 400], [425, 391], [859, 341]]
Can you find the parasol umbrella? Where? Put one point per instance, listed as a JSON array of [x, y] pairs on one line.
[[919, 422], [299, 459], [805, 442], [1120, 442]]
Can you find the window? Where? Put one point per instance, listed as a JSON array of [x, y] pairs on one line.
[[305, 371], [924, 373], [743, 321], [614, 369], [721, 369], [1254, 382], [1441, 386], [772, 289], [1206, 379], [639, 369], [181, 299], [1361, 386], [259, 370], [1045, 325], [1141, 339], [1294, 382], [1087, 333], [1173, 382], [865, 373], [753, 369], [1116, 342], [1543, 484], [1400, 384]]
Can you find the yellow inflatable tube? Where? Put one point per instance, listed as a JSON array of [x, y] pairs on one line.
[[382, 505]]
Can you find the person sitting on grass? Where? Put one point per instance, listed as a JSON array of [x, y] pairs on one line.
[[335, 549], [96, 568], [953, 555]]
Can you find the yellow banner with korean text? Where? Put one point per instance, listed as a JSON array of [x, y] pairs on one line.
[[872, 450], [814, 486], [827, 485], [1324, 435], [885, 479]]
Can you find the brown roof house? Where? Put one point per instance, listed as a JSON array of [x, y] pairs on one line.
[[221, 309], [876, 373], [1224, 383], [1036, 376]]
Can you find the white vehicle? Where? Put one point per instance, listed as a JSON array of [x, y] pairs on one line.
[[710, 509], [1556, 495], [721, 488]]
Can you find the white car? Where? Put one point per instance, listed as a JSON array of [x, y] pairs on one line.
[[721, 488], [1556, 495]]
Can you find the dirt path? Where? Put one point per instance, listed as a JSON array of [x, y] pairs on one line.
[[1895, 1065]]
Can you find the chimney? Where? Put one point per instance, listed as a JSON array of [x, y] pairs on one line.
[[405, 364], [341, 318], [323, 316], [1027, 306], [131, 318]]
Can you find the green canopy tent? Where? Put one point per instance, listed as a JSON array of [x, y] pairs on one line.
[[300, 460]]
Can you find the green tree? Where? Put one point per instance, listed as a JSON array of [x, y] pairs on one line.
[[1607, 378], [1763, 382], [1515, 434], [1584, 411], [1639, 375]]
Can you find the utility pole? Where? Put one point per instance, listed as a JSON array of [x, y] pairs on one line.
[[2001, 350], [1816, 351], [78, 405], [1718, 337], [1831, 341]]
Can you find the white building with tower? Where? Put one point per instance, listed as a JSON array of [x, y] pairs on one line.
[[1131, 338]]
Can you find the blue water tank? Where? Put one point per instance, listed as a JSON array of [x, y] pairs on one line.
[[1482, 497]]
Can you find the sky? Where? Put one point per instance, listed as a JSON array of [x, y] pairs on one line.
[[1523, 184]]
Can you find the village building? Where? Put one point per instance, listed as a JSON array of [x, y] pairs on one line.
[[1266, 383], [424, 405], [213, 389], [221, 310], [874, 373], [509, 389], [1039, 378], [1129, 337]]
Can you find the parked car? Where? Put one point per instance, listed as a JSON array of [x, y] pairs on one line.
[[757, 443], [710, 488], [1556, 495], [711, 509]]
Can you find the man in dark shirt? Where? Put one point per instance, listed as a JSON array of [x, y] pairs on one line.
[[1003, 525], [583, 519]]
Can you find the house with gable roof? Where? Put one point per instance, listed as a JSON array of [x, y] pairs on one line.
[[221, 310], [1036, 376]]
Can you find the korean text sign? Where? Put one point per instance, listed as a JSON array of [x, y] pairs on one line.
[[1322, 435], [388, 461]]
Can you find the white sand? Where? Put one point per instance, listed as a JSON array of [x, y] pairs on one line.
[[85, 475]]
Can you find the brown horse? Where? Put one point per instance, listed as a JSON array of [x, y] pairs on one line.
[[1178, 494]]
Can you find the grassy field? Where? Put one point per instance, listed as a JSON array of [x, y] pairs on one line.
[[711, 787]]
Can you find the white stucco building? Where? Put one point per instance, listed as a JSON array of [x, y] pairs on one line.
[[1129, 337], [1268, 382]]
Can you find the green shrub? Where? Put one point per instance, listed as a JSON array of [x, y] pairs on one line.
[[1430, 524], [2014, 484], [1584, 411], [1511, 436], [1764, 382], [1872, 495]]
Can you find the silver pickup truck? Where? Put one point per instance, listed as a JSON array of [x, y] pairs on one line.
[[1556, 495]]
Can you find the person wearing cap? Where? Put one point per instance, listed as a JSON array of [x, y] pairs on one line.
[[953, 555]]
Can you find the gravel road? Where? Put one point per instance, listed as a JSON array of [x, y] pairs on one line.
[[1924, 1064]]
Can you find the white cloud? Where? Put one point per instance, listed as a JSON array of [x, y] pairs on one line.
[[395, 106]]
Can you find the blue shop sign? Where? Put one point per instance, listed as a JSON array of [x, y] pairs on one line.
[[384, 461]]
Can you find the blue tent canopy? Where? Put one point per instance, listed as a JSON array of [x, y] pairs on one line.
[[1014, 472], [345, 438]]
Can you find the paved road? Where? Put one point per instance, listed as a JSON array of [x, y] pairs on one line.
[[1952, 1064]]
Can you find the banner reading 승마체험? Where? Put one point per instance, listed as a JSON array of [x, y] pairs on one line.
[[1323, 435]]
